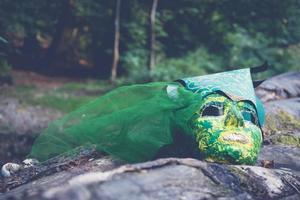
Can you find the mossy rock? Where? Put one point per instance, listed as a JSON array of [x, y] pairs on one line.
[[286, 139], [281, 122]]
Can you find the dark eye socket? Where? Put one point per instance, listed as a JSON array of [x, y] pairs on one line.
[[212, 110], [250, 116]]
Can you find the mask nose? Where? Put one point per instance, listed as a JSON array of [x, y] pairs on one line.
[[234, 118]]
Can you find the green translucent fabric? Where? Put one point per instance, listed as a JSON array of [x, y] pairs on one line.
[[130, 123], [134, 122]]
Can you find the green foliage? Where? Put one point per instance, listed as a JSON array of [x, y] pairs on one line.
[[65, 98], [243, 48], [5, 68], [135, 63], [193, 37], [90, 87], [193, 64], [246, 49], [65, 104]]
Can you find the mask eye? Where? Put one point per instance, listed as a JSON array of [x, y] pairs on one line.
[[212, 110], [250, 116]]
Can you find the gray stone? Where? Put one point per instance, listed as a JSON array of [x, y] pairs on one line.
[[284, 86], [169, 178], [291, 106], [284, 156]]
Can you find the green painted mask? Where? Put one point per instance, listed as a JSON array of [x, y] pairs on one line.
[[227, 123], [227, 131]]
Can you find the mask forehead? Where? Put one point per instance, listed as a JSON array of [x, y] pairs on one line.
[[214, 97], [236, 84]]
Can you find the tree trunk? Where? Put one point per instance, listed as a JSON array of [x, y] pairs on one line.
[[152, 36], [116, 43], [60, 26]]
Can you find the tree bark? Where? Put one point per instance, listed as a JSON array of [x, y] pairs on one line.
[[152, 36], [60, 26], [116, 43]]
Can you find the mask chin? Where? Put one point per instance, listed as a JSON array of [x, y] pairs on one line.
[[231, 157], [231, 148]]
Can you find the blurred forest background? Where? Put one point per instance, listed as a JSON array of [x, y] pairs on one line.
[[182, 38], [133, 41]]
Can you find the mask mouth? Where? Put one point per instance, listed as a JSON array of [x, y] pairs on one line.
[[235, 138], [231, 148]]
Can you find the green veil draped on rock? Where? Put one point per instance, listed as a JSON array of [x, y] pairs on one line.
[[133, 122]]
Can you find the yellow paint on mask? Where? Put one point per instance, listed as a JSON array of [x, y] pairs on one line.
[[228, 138]]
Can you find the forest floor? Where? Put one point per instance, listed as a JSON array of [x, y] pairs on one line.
[[64, 94], [32, 101]]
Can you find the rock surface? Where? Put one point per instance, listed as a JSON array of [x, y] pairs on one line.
[[281, 97], [284, 86], [284, 156], [168, 178], [86, 174]]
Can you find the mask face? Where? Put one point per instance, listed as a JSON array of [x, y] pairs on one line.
[[227, 131]]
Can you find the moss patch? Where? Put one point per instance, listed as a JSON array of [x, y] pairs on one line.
[[87, 87], [286, 139], [65, 98], [65, 104], [281, 122]]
